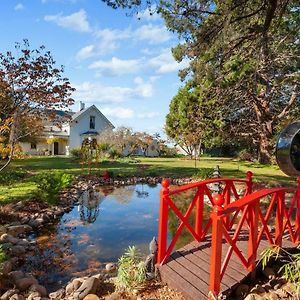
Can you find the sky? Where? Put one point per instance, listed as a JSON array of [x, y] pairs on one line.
[[122, 64]]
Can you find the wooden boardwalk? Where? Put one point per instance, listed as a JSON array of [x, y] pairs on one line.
[[187, 269]]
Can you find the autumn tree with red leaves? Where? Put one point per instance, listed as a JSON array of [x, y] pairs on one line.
[[31, 88]]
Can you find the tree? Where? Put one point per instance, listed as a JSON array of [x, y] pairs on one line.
[[247, 52], [191, 119], [31, 88]]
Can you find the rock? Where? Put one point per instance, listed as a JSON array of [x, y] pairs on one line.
[[113, 296], [60, 294], [24, 283], [91, 297], [35, 223], [254, 297], [110, 267], [8, 294], [73, 286], [18, 250], [38, 288], [257, 289], [273, 296], [17, 297], [241, 290], [34, 296], [23, 243], [7, 238], [15, 275], [18, 229], [6, 267], [89, 286], [269, 272]]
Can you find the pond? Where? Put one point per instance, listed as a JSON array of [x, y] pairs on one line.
[[97, 231]]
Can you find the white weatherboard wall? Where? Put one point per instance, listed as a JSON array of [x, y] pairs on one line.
[[82, 124]]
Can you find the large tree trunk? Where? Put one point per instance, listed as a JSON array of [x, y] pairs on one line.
[[265, 148]]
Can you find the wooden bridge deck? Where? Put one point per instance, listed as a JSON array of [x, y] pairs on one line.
[[187, 269]]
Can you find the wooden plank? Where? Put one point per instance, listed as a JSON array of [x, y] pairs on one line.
[[188, 268]]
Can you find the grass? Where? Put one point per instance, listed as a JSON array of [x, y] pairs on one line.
[[165, 167]]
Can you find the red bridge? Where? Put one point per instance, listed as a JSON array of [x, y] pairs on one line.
[[226, 246]]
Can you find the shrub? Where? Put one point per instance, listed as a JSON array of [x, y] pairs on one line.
[[131, 270], [245, 155], [204, 173], [3, 257], [76, 153], [51, 184], [113, 153], [11, 176], [290, 262]]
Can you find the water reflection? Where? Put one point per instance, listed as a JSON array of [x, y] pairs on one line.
[[88, 207], [105, 222]]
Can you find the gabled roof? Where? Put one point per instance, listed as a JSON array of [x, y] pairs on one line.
[[81, 112]]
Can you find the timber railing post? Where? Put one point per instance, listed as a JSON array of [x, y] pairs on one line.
[[297, 227], [253, 233], [279, 219], [199, 211], [249, 175], [163, 221], [216, 246]]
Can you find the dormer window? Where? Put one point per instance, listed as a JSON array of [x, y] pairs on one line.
[[92, 122]]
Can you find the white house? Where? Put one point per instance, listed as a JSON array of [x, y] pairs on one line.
[[87, 123]]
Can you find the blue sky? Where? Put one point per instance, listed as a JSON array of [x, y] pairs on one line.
[[119, 63]]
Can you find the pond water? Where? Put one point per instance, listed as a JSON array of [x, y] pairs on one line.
[[97, 231]]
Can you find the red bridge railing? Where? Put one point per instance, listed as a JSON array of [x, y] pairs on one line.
[[247, 212]]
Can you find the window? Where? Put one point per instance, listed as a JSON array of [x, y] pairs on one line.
[[33, 146], [92, 122]]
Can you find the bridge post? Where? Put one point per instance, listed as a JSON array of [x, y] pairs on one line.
[[163, 221], [279, 219], [199, 211], [216, 246], [253, 233], [297, 228]]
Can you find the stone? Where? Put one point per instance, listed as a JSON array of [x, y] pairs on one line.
[[15, 275], [273, 296], [23, 243], [34, 296], [24, 283], [7, 238], [18, 229], [91, 297], [35, 223], [254, 297], [110, 267], [8, 294], [6, 267], [60, 294], [113, 296], [89, 286], [38, 288], [18, 250], [242, 290], [73, 286], [17, 297], [257, 289]]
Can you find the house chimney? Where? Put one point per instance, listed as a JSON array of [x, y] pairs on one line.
[[81, 106]]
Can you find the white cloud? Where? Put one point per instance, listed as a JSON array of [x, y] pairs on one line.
[[99, 93], [153, 34], [116, 66], [118, 112], [76, 21], [85, 52], [19, 7], [148, 115], [165, 63]]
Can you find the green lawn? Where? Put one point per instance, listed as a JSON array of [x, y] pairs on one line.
[[167, 167]]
